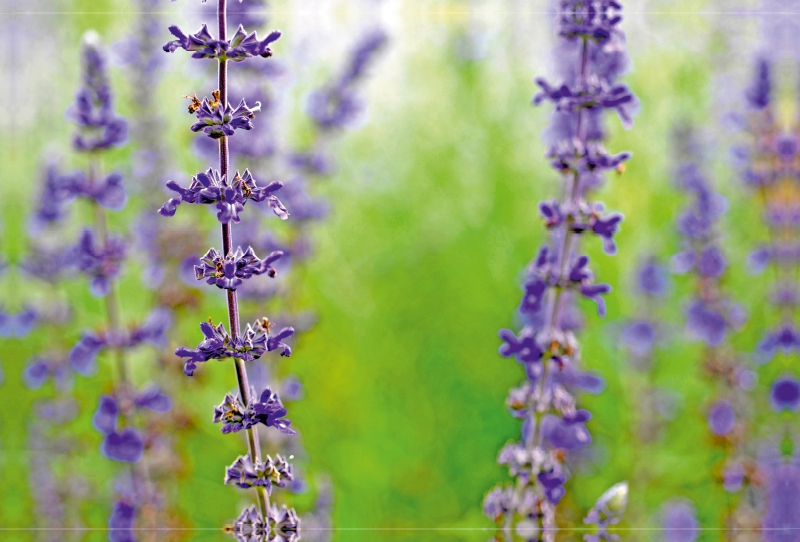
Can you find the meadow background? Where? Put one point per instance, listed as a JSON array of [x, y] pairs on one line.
[[433, 219]]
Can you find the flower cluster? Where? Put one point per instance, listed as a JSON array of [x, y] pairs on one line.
[[152, 330], [228, 269], [231, 271], [126, 445], [279, 525], [217, 120], [61, 189], [251, 345], [246, 474], [210, 187], [267, 410], [238, 48], [553, 425]]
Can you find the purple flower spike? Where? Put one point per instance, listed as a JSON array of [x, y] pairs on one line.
[[591, 56], [126, 446], [337, 105], [93, 110], [231, 271], [268, 410], [105, 418], [786, 394], [722, 418]]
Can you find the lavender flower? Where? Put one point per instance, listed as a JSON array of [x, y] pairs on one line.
[[203, 45], [99, 261], [227, 269], [267, 410], [216, 120], [553, 425], [245, 474], [231, 271], [211, 188], [218, 344]]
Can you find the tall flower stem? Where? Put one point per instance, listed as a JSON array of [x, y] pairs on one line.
[[253, 443]]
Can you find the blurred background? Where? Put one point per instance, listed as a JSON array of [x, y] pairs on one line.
[[431, 198]]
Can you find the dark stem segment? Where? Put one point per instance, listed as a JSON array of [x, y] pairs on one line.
[[253, 445]]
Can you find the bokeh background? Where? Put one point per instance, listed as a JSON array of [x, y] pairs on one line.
[[433, 219]]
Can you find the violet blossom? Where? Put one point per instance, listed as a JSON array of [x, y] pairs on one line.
[[553, 425]]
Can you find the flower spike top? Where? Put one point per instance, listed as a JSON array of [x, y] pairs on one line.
[[93, 110]]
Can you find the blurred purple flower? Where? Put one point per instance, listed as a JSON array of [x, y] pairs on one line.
[[680, 522], [785, 394], [722, 418]]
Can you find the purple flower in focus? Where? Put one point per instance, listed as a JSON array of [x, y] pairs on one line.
[[209, 188], [238, 48], [229, 272], [216, 120], [267, 410]]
